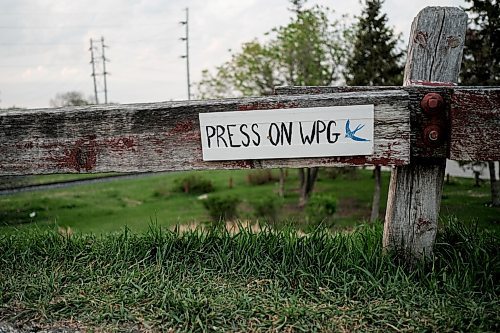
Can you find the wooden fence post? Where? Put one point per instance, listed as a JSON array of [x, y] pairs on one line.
[[434, 57]]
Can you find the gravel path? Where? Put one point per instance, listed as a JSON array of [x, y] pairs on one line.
[[31, 188]]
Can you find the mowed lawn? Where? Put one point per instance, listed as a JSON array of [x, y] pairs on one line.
[[135, 203]]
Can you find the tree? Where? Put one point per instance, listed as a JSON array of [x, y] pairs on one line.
[[70, 98], [375, 60], [481, 61], [254, 71], [306, 51]]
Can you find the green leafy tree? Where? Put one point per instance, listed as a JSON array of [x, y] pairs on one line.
[[375, 60], [254, 71], [306, 51], [481, 61]]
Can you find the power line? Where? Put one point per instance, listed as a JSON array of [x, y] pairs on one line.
[[83, 26], [104, 73], [186, 39], [93, 71]]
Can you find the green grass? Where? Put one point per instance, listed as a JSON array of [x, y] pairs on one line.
[[107, 207], [268, 281]]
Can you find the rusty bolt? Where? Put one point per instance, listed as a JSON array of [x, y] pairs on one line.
[[433, 135], [432, 103]]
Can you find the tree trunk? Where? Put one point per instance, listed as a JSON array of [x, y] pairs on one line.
[[376, 195], [307, 179], [477, 179], [495, 185], [281, 190]]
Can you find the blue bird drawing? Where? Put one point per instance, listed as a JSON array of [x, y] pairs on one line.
[[350, 133]]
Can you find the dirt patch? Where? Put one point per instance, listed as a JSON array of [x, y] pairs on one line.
[[233, 227], [131, 202]]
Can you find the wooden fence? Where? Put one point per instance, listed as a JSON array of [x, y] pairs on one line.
[[415, 128]]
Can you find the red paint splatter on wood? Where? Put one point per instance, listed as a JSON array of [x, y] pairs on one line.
[[486, 103], [121, 145], [182, 127], [82, 156], [475, 125], [184, 131]]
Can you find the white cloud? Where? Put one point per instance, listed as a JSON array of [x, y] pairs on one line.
[[34, 73], [143, 39]]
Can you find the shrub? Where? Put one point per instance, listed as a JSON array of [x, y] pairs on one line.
[[261, 177], [340, 172], [266, 207], [194, 184], [221, 208], [320, 209], [161, 192]]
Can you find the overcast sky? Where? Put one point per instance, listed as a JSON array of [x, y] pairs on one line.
[[44, 44]]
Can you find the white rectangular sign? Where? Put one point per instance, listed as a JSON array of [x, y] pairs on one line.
[[287, 133]]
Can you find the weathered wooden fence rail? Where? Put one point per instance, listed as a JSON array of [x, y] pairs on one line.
[[415, 128], [166, 136]]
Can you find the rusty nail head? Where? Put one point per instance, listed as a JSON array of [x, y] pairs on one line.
[[432, 103]]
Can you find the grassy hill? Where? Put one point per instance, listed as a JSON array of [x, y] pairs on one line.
[[121, 266], [106, 207]]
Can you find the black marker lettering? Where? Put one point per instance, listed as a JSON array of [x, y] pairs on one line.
[[230, 135], [219, 135], [245, 134], [318, 130], [286, 133], [270, 134], [329, 133], [254, 130], [306, 138], [209, 136]]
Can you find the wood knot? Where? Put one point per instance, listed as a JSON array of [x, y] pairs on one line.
[[421, 38], [453, 41]]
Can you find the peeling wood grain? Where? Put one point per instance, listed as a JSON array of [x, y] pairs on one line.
[[166, 136], [475, 125], [437, 57], [415, 190]]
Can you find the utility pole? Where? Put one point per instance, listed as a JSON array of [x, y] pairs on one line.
[[92, 61], [104, 73], [186, 39]]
